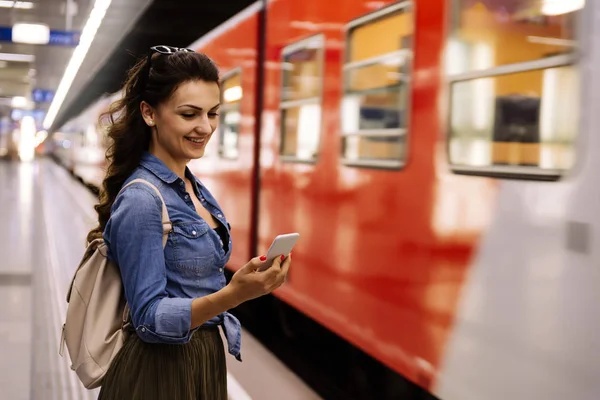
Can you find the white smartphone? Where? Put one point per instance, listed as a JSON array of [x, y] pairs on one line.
[[282, 245]]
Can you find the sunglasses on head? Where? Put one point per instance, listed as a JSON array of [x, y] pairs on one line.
[[169, 49], [162, 49]]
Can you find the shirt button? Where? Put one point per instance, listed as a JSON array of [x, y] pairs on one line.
[[220, 269], [194, 233], [187, 196], [181, 183], [143, 329], [220, 215]]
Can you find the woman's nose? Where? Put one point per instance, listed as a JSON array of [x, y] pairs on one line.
[[203, 126]]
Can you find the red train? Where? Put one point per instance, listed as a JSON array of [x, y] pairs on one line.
[[415, 146]]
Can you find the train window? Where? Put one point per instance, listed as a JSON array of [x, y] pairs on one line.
[[229, 126], [514, 87], [375, 105], [302, 81]]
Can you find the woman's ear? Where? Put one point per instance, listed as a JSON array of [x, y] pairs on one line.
[[147, 113]]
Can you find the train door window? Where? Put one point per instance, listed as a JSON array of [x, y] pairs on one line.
[[375, 106], [229, 129], [302, 83], [514, 87]]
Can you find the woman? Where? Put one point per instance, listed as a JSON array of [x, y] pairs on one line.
[[178, 296]]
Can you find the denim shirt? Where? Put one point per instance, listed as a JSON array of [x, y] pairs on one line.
[[161, 284]]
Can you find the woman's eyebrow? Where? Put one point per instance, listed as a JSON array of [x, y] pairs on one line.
[[196, 107]]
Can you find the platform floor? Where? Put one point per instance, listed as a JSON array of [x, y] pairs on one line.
[[44, 217]]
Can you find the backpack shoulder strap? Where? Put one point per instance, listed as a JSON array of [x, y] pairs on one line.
[[167, 228], [166, 223]]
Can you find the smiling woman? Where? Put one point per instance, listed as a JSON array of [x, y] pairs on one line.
[[155, 87], [175, 288]]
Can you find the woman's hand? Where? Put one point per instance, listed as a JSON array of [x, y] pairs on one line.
[[248, 283]]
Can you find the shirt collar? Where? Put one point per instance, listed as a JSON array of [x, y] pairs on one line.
[[158, 168]]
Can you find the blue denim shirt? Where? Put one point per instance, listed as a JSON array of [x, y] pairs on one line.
[[161, 284]]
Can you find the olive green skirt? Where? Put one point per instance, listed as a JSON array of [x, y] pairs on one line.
[[148, 371]]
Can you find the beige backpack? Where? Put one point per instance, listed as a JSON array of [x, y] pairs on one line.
[[98, 318]]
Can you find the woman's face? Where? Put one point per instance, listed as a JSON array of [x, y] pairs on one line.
[[184, 123]]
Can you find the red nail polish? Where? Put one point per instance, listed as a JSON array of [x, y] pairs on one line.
[[263, 258], [282, 257]]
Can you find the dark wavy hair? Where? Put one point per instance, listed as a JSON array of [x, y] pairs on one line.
[[152, 81]]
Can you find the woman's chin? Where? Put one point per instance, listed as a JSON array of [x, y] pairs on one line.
[[195, 153]]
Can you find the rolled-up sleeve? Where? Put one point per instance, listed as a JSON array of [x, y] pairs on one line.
[[134, 237]]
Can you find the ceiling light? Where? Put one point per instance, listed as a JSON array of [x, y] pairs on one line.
[[30, 33], [87, 37], [24, 5], [15, 57], [18, 102], [560, 7]]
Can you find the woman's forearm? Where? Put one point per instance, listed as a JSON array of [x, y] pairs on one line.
[[207, 307]]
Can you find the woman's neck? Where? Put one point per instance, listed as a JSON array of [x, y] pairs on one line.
[[175, 165]]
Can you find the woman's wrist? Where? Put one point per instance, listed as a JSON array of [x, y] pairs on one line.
[[230, 297]]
